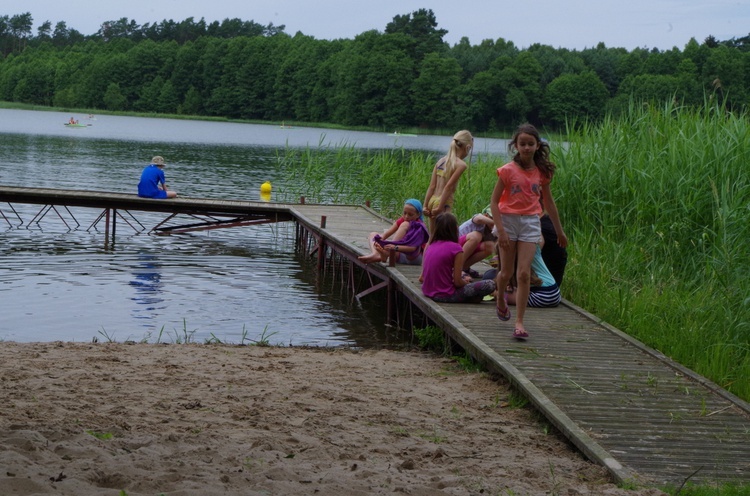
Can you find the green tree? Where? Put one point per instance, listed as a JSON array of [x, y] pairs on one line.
[[605, 61], [168, 101], [481, 99], [20, 29], [186, 73], [574, 97], [479, 58], [373, 80], [297, 76], [521, 91], [44, 31], [725, 73], [148, 97], [435, 91], [113, 98], [192, 105], [421, 27]]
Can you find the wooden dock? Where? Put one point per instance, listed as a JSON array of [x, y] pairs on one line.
[[647, 419]]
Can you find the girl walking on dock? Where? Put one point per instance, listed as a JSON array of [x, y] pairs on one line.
[[516, 209]]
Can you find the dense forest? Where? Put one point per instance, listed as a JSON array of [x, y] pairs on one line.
[[405, 76]]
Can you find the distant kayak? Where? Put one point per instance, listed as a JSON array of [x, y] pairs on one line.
[[405, 135], [77, 125]]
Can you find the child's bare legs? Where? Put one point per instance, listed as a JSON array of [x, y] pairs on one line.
[[486, 248], [507, 266], [377, 252], [401, 231], [523, 277], [470, 244], [374, 255]]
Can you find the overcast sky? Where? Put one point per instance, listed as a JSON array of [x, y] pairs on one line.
[[573, 24]]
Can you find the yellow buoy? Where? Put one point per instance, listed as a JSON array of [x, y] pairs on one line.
[[265, 188]]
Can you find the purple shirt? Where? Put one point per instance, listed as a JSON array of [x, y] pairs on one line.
[[437, 268]]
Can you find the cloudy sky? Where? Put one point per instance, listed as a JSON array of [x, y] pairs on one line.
[[573, 24]]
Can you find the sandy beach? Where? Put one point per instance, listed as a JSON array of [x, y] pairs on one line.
[[148, 419]]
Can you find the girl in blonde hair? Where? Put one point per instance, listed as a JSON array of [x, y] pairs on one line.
[[445, 176]]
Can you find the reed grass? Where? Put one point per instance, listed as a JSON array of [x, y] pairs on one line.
[[385, 178], [654, 201]]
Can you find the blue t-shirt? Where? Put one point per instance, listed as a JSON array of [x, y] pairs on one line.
[[151, 177], [537, 264]]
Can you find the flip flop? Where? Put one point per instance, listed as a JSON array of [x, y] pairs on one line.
[[504, 316], [520, 333]]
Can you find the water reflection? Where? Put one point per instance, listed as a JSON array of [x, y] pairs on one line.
[[232, 284], [148, 288]]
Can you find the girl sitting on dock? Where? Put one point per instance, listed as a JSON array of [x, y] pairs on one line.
[[478, 240], [408, 234], [443, 278]]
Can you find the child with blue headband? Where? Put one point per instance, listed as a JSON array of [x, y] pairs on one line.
[[407, 236]]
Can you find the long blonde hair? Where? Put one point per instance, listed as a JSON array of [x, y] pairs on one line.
[[460, 140]]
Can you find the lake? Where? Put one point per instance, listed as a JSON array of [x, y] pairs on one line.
[[234, 285]]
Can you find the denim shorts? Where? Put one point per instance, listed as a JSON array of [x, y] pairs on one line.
[[526, 228]]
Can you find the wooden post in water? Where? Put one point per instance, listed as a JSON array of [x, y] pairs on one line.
[[106, 227], [302, 200], [321, 244]]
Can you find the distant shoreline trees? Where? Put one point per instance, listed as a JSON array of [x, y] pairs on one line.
[[406, 76]]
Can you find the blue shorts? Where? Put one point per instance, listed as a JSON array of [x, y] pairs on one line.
[[159, 195], [526, 228]]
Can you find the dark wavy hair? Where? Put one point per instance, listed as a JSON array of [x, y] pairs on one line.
[[446, 228], [541, 156]]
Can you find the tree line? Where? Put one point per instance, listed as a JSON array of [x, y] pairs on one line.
[[405, 76]]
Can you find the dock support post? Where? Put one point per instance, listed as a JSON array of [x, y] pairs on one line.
[[321, 245], [106, 226], [390, 308]]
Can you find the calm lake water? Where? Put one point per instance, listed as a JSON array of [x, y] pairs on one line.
[[235, 285]]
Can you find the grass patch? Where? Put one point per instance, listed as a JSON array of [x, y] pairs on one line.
[[104, 436]]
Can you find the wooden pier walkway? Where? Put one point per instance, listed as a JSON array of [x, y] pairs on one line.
[[645, 418]]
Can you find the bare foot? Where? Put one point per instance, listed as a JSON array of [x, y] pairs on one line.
[[382, 252]]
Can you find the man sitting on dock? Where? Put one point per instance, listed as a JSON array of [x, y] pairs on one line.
[[153, 182]]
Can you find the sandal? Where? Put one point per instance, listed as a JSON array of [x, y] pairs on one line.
[[519, 333], [504, 316]]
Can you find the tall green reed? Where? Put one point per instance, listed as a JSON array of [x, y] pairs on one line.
[[386, 178], [656, 204]]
